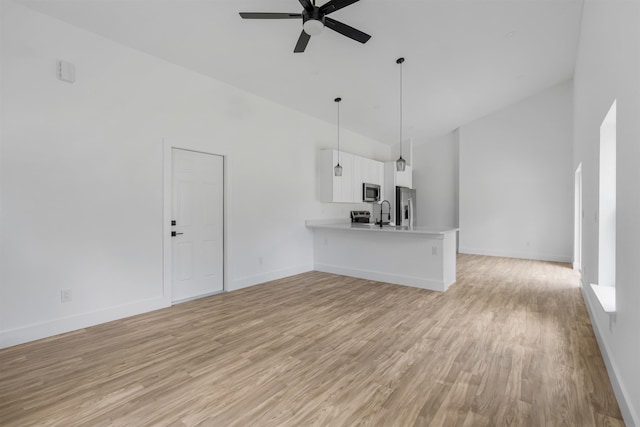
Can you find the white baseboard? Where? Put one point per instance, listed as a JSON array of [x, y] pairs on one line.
[[62, 325], [245, 282], [513, 254], [396, 279], [629, 413], [208, 294]]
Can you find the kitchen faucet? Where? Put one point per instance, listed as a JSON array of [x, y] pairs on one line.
[[388, 212]]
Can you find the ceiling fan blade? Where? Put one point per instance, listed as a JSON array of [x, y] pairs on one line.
[[333, 5], [346, 30], [268, 15], [302, 42], [307, 5]]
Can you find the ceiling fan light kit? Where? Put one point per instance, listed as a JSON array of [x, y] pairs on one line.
[[313, 27], [314, 19]]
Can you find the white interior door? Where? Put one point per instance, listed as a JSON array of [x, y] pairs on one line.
[[197, 209]]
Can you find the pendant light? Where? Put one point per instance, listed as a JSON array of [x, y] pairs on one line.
[[400, 163], [337, 170]]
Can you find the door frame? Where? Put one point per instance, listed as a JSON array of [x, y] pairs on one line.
[[167, 287], [577, 219]]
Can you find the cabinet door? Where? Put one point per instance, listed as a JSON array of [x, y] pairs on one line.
[[379, 176], [343, 185], [359, 176], [376, 172], [403, 179], [356, 170]]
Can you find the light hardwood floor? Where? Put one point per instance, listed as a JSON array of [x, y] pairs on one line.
[[509, 344]]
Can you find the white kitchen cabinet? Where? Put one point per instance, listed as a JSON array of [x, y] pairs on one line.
[[369, 171], [359, 171], [333, 188], [376, 172], [405, 178], [356, 170], [394, 179], [365, 170]]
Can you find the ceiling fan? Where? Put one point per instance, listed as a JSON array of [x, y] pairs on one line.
[[314, 19]]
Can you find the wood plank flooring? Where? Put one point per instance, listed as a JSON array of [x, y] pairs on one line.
[[509, 344]]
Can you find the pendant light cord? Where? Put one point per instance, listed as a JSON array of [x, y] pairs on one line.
[[400, 163], [338, 132], [337, 100], [400, 61]]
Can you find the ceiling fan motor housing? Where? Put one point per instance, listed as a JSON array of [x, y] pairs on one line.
[[313, 21]]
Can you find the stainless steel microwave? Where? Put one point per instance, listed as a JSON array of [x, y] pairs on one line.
[[370, 192]]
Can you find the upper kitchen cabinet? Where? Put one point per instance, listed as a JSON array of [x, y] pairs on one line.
[[366, 170], [333, 188], [356, 170], [372, 171]]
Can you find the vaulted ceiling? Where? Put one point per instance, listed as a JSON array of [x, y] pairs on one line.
[[464, 59]]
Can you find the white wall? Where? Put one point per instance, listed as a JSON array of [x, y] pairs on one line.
[[516, 180], [82, 176], [608, 69], [435, 178]]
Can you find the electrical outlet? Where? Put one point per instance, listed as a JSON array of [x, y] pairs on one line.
[[326, 241], [434, 250], [260, 260], [65, 295]]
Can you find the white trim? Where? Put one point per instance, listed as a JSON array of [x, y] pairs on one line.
[[577, 219], [396, 279], [166, 240], [210, 294], [606, 296], [257, 279], [166, 221], [511, 254], [629, 415], [77, 322]]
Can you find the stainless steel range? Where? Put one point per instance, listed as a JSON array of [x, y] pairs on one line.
[[361, 216]]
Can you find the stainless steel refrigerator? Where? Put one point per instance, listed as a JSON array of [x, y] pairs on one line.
[[405, 206]]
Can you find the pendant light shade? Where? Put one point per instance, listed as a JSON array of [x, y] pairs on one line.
[[337, 170], [400, 163]]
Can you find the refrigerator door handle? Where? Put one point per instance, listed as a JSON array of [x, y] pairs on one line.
[[410, 212]]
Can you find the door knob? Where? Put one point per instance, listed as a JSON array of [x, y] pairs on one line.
[[174, 234]]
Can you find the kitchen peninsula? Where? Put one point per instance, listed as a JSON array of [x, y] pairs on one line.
[[423, 257]]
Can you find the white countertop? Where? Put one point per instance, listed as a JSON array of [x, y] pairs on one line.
[[371, 228]]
